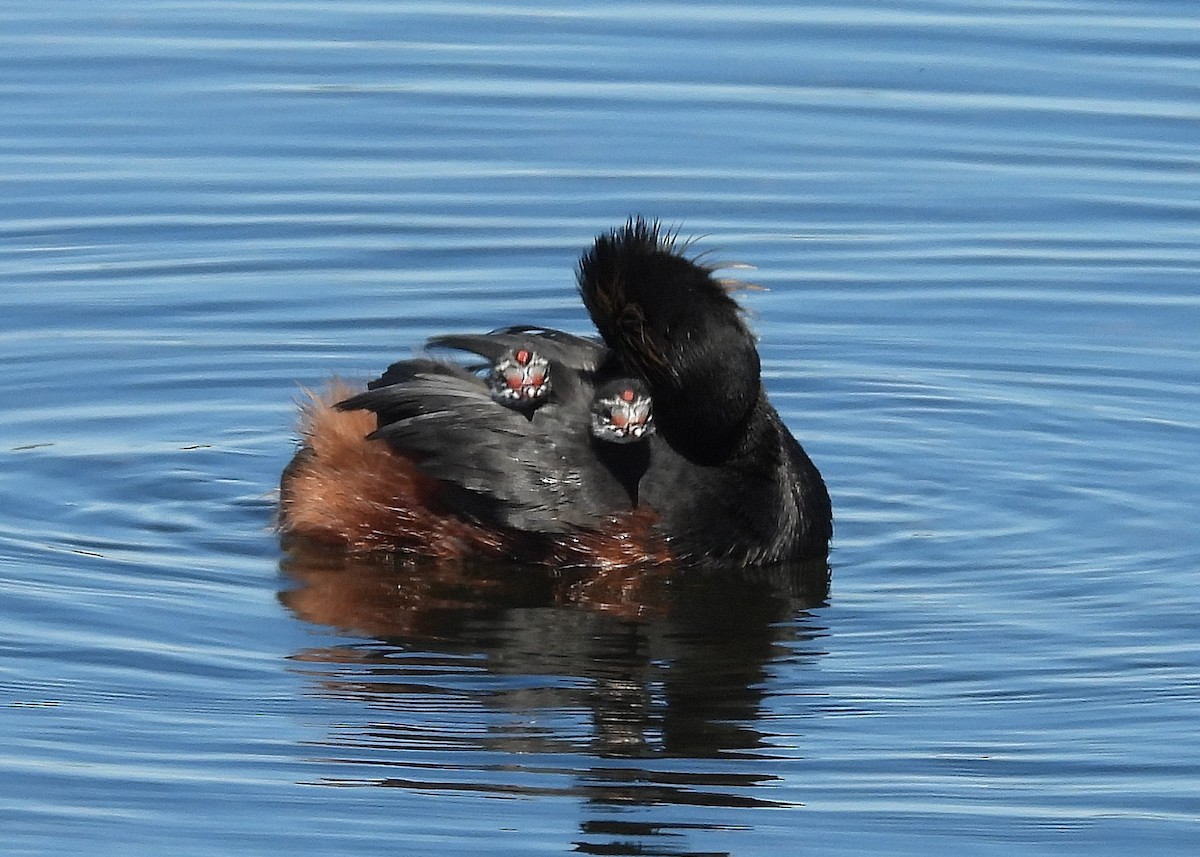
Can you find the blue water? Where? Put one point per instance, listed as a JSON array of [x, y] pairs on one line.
[[978, 229]]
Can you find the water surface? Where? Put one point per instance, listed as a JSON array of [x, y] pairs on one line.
[[976, 226]]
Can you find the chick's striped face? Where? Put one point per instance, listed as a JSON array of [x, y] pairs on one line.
[[622, 413], [520, 379]]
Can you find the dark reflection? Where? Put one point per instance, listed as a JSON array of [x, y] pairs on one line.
[[624, 689]]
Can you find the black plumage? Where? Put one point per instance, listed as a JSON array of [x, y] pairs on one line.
[[722, 475]]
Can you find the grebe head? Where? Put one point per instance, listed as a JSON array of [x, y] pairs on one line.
[[520, 379], [622, 412]]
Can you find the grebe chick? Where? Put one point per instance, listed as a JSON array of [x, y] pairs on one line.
[[622, 412]]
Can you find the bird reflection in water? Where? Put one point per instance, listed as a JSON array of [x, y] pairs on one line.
[[646, 686]]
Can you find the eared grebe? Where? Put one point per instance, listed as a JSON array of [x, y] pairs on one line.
[[656, 444]]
